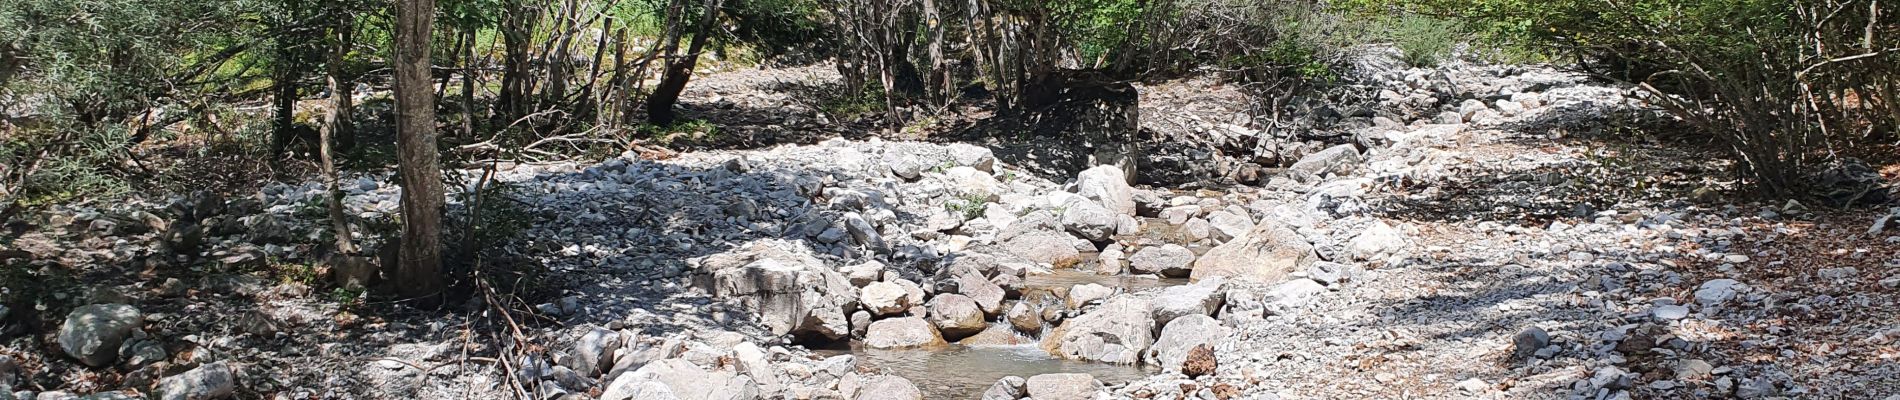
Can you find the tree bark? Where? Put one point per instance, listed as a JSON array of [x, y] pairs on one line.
[[515, 38], [337, 127], [419, 270], [667, 93], [341, 91]]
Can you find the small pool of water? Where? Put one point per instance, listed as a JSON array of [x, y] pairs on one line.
[[964, 372]]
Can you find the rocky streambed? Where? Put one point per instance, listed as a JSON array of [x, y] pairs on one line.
[[1460, 244]]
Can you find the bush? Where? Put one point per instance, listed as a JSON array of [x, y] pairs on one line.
[[1784, 85], [1423, 41]]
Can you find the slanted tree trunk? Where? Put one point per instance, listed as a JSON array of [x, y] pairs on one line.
[[337, 126], [418, 272], [667, 93]]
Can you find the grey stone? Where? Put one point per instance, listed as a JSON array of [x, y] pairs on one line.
[[1181, 336], [1108, 186], [1266, 254], [885, 298], [1089, 220], [1115, 332], [1007, 388], [1086, 293], [792, 291], [1229, 225], [1329, 273], [1718, 291], [905, 332], [1201, 298], [1169, 260], [888, 387], [1333, 160], [680, 379], [591, 353], [1670, 312], [209, 381], [1526, 343], [1376, 241], [93, 334], [1025, 318], [956, 316], [1068, 386]]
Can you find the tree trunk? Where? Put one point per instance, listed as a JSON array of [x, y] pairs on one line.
[[337, 126], [419, 270], [515, 39], [667, 93], [341, 91], [939, 82], [283, 96], [469, 69]]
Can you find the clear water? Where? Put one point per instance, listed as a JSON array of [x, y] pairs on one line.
[[964, 372]]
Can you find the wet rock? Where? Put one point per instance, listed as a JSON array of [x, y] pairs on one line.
[[1266, 254], [680, 379], [956, 316], [1115, 332], [1062, 387], [209, 381], [1008, 388], [1025, 318], [899, 333], [793, 292], [93, 334], [988, 295], [860, 323], [996, 335], [1107, 186], [1180, 337], [888, 387], [1169, 260]]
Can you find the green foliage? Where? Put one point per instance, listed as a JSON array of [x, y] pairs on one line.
[[1424, 40], [1765, 77], [1097, 27], [968, 206], [78, 163]]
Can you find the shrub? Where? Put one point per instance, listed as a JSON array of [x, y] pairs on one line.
[[1784, 85], [1423, 40]]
